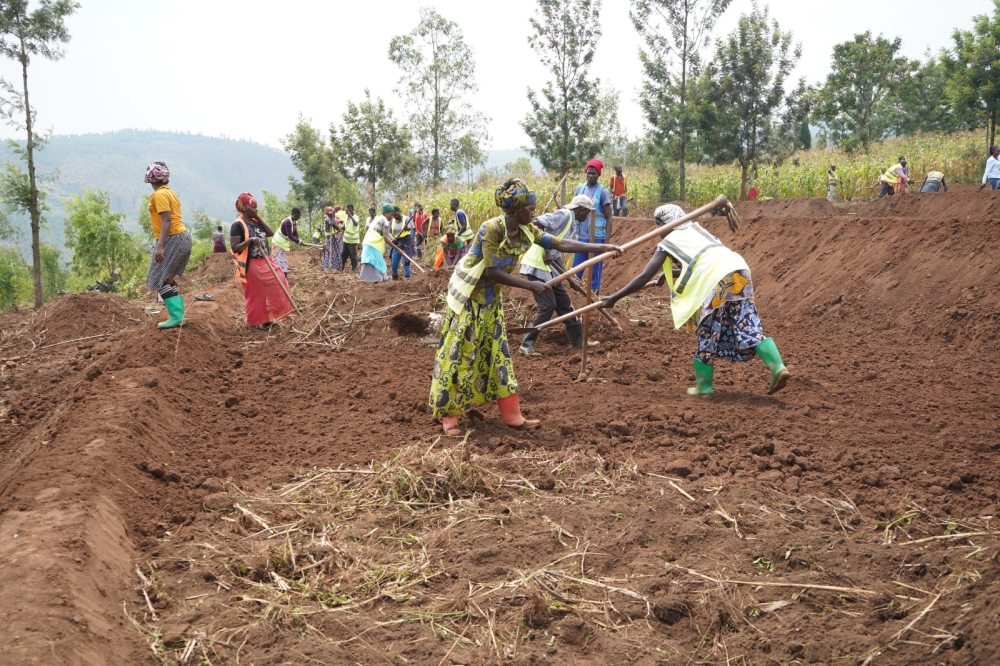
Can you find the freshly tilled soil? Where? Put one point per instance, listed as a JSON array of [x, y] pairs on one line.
[[837, 506]]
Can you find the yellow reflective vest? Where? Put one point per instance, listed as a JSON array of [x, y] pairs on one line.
[[892, 174], [704, 262], [374, 236], [352, 229], [535, 256], [470, 270]]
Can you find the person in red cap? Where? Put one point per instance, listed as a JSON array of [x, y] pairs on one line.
[[601, 198]]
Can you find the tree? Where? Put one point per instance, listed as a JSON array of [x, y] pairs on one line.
[[55, 277], [922, 104], [438, 77], [15, 276], [311, 156], [25, 33], [674, 32], [100, 245], [747, 83], [565, 38], [373, 146], [973, 68], [865, 72], [468, 158]]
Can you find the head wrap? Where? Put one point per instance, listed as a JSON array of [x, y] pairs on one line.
[[386, 209], [157, 171], [244, 200], [667, 213], [328, 210], [336, 208], [514, 195], [597, 164]]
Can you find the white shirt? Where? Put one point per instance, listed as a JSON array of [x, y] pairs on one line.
[[992, 169]]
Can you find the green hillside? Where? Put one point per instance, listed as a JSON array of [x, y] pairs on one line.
[[208, 173]]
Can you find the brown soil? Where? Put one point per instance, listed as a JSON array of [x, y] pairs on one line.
[[287, 498]]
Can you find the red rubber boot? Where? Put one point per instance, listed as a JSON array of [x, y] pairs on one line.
[[510, 412]]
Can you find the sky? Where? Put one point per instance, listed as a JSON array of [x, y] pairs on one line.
[[245, 69]]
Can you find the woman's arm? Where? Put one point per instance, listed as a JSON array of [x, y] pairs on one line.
[[567, 245], [639, 281], [501, 276], [268, 231]]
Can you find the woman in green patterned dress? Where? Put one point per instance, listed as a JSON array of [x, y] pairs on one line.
[[473, 364]]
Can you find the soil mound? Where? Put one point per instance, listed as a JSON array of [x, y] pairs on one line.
[[787, 208], [215, 268], [960, 203], [409, 323], [87, 313]]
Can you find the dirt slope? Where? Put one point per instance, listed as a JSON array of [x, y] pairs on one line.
[[572, 544]]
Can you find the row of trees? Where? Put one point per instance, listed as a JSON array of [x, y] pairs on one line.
[[371, 151], [734, 100]]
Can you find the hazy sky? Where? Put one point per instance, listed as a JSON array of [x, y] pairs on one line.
[[246, 68]]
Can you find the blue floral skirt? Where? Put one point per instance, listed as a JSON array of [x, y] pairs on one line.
[[732, 331]]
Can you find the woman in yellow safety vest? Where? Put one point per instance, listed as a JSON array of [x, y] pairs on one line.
[[352, 236], [473, 365], [373, 268], [710, 291]]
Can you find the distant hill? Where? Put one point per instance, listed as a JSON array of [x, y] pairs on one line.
[[499, 158], [208, 173]]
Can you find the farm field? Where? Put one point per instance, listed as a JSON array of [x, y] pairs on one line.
[[225, 496]]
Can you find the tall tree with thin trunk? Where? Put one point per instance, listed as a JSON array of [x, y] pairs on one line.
[[674, 32], [757, 118], [565, 38], [25, 33], [973, 68], [438, 80]]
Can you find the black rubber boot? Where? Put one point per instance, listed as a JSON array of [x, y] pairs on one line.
[[574, 331], [528, 343]]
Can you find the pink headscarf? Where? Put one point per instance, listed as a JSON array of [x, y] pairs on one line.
[[244, 200]]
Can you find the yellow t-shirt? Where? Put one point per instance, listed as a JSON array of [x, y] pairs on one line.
[[165, 200]]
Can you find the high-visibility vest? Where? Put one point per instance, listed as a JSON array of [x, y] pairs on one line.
[[535, 256], [934, 176], [352, 229], [704, 262], [399, 228], [601, 222], [891, 176], [468, 272], [373, 236], [240, 258], [281, 240], [466, 234]]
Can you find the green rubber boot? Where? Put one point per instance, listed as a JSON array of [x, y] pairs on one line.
[[703, 374], [175, 306], [768, 352]]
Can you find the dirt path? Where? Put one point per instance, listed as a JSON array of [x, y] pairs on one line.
[[604, 537]]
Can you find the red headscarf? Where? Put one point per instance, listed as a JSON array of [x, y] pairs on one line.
[[244, 200], [336, 209], [597, 164]]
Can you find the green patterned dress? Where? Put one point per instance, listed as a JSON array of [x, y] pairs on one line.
[[473, 365]]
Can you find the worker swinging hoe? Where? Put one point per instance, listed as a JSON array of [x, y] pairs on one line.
[[710, 292]]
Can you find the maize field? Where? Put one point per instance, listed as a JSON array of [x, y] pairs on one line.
[[959, 156]]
